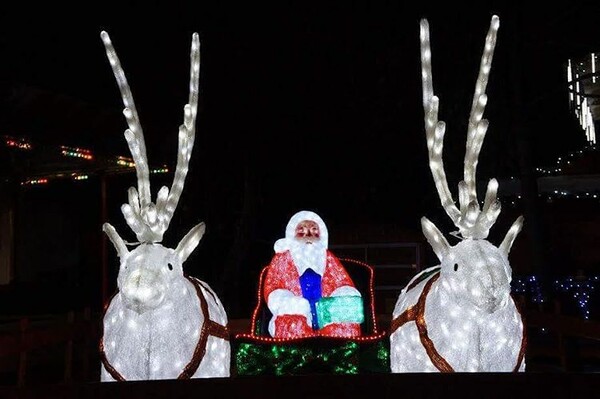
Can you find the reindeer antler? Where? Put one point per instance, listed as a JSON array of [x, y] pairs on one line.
[[149, 221], [471, 221]]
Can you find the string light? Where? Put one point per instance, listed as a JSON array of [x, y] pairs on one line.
[[579, 88], [19, 143], [73, 152], [581, 290], [76, 152], [34, 182], [124, 161], [569, 79], [562, 163], [560, 195], [528, 285], [164, 169]]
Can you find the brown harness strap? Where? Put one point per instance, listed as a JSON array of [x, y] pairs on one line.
[[215, 329], [209, 327], [416, 313]]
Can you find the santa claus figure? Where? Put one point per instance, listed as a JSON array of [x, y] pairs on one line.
[[306, 288]]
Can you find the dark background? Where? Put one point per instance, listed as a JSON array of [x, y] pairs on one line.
[[303, 105]]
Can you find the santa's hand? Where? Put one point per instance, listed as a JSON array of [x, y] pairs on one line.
[[284, 302]]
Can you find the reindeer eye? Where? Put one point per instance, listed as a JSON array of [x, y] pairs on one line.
[[456, 267], [170, 266]]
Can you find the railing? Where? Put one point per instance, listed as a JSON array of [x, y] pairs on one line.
[[26, 344], [559, 342], [556, 342], [394, 263]]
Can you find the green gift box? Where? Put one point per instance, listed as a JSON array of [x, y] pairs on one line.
[[340, 309]]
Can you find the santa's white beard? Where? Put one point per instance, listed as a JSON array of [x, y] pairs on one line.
[[307, 256]]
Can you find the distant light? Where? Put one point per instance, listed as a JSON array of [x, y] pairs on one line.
[[124, 161], [33, 182], [75, 152], [593, 68], [21, 144]]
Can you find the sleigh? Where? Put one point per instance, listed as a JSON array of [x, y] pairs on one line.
[[257, 353]]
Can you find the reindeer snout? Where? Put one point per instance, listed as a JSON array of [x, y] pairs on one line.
[[143, 290]]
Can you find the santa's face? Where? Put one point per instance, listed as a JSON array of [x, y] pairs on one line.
[[307, 231], [307, 248]]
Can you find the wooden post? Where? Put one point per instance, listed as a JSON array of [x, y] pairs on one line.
[[23, 326], [69, 347], [7, 233], [86, 342]]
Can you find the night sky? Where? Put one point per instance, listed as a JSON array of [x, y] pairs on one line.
[[304, 106]]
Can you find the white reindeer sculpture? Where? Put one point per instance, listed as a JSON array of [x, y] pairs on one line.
[[161, 324], [459, 316]]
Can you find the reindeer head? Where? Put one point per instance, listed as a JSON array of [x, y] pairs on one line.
[[148, 273], [474, 271]]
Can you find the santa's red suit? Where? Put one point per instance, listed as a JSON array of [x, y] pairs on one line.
[[284, 295]]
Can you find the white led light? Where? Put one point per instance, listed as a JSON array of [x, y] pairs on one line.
[[593, 62]]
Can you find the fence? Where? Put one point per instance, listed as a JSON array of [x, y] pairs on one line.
[[394, 265], [49, 348]]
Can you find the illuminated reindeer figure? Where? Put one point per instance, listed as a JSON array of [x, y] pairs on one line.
[[459, 316], [161, 324]]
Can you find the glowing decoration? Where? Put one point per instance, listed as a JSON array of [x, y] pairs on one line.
[[581, 289], [307, 289], [339, 357], [164, 169], [75, 152], [19, 143], [529, 286], [34, 182], [569, 79], [561, 160], [161, 324], [315, 313], [459, 316], [258, 353], [581, 82], [593, 62], [125, 161]]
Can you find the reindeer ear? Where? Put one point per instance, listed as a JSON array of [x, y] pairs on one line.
[[511, 235], [190, 241], [116, 239], [435, 238]]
